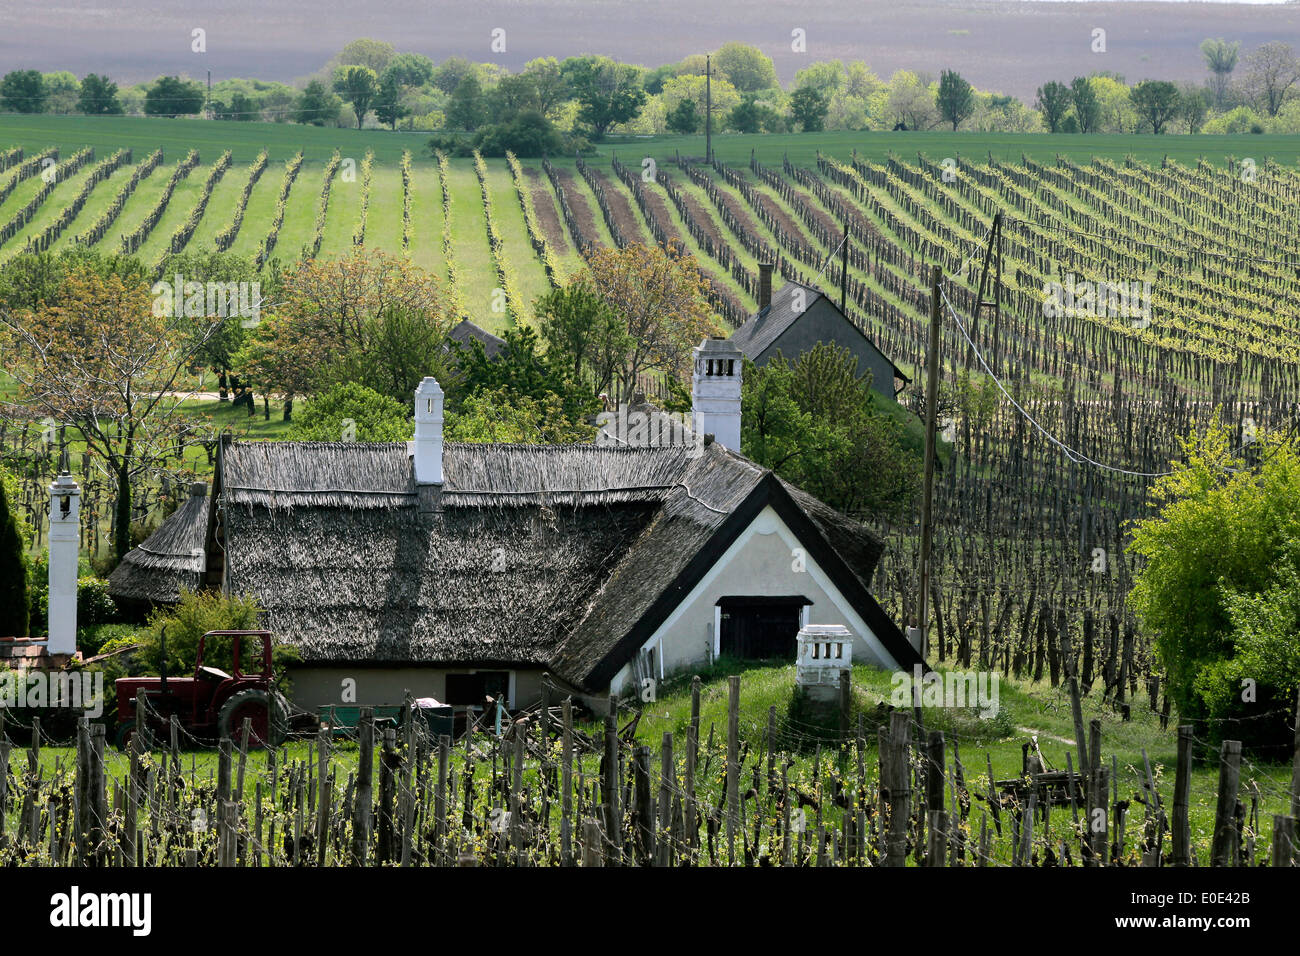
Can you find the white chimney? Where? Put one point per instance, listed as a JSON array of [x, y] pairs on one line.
[[427, 447], [65, 546], [715, 392]]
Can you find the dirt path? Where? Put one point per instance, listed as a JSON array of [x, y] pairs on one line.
[[544, 205]]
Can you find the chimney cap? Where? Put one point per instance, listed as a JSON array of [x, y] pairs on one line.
[[428, 384]]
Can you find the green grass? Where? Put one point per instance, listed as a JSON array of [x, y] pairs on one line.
[[426, 219], [473, 254]]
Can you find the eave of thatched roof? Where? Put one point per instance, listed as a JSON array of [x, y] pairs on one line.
[[168, 561], [564, 557]]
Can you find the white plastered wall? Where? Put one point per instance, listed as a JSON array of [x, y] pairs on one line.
[[764, 560]]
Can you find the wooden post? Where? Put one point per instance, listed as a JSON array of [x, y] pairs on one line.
[[440, 800], [667, 783], [938, 835], [846, 702], [1283, 840], [899, 780], [1224, 850], [566, 784], [733, 765], [931, 412], [1076, 712], [364, 792], [1182, 831], [643, 820], [771, 749], [591, 848], [323, 797], [1295, 764], [691, 823], [613, 818]]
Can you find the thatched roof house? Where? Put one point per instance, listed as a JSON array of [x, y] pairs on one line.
[[170, 560], [451, 570]]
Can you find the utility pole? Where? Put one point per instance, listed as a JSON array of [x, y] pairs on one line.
[[931, 416], [708, 109]]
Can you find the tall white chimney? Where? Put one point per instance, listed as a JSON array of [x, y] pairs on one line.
[[427, 447], [715, 392], [65, 545]]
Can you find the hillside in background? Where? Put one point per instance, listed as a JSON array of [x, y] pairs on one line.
[[1008, 46]]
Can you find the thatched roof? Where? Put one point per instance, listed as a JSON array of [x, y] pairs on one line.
[[169, 560], [529, 555]]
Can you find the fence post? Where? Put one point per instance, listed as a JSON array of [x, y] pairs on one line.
[[613, 818], [566, 784], [1182, 832], [365, 787], [897, 765], [733, 765], [1224, 850], [1283, 840]]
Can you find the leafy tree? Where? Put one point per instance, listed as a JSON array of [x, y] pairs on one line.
[[1271, 72], [317, 106], [1218, 586], [522, 369], [101, 361], [374, 55], [1156, 101], [658, 297], [502, 415], [1053, 102], [529, 134], [1220, 60], [549, 86], [910, 102], [748, 68], [808, 108], [583, 336], [607, 92], [955, 99], [815, 423], [358, 85], [449, 73], [61, 91], [187, 621], [13, 569], [171, 96], [1087, 108], [388, 99], [467, 109], [1192, 108], [23, 91], [411, 69], [351, 412], [98, 96], [685, 118]]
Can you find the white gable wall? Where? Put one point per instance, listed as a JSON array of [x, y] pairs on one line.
[[761, 561]]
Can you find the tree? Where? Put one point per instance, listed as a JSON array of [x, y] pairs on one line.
[[658, 297], [910, 102], [1220, 60], [608, 93], [61, 92], [351, 412], [685, 118], [388, 99], [814, 422], [549, 85], [98, 359], [1156, 101], [1192, 108], [1087, 108], [23, 91], [317, 106], [582, 334], [1227, 612], [1271, 72], [13, 570], [172, 97], [411, 69], [955, 99], [449, 73], [502, 416], [467, 110], [369, 318], [358, 85], [522, 370], [374, 55], [98, 96], [529, 134], [808, 108], [1053, 102], [748, 68]]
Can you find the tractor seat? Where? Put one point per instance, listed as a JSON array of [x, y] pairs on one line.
[[213, 673]]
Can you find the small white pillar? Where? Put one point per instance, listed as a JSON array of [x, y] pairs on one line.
[[824, 651], [427, 447], [65, 548]]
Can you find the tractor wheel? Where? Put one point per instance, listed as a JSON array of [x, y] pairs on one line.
[[125, 734], [267, 714]]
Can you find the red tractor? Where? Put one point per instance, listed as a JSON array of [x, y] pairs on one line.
[[211, 704]]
